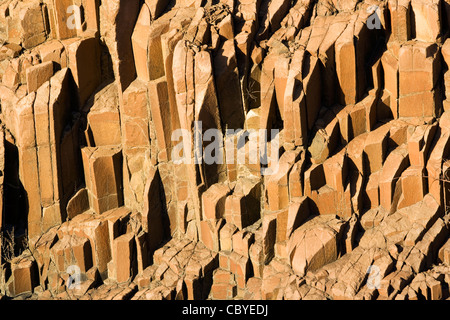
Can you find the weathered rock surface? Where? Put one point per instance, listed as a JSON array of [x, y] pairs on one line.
[[249, 149]]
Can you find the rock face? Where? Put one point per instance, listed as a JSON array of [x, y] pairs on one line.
[[249, 149]]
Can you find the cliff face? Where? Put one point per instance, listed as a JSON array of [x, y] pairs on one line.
[[257, 149]]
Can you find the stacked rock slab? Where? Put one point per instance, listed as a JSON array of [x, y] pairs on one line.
[[251, 149]]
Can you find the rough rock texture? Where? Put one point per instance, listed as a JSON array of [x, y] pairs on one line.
[[96, 204]]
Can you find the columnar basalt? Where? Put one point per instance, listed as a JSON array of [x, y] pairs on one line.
[[314, 138]]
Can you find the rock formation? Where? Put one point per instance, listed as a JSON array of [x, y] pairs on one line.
[[108, 189]]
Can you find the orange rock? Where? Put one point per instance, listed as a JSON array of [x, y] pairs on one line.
[[346, 66], [104, 119], [226, 236], [152, 214], [83, 60], [372, 193], [10, 78], [400, 19], [295, 114], [102, 171], [25, 276], [210, 233], [396, 162], [226, 74], [314, 244], [140, 43], [298, 213], [124, 257], [444, 253], [427, 16], [412, 178], [419, 143], [240, 266], [375, 148], [391, 66], [418, 61], [256, 258], [39, 74], [242, 242], [335, 171], [213, 201], [295, 179], [277, 184], [242, 207], [363, 141], [26, 24]]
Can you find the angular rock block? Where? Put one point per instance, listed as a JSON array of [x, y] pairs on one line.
[[27, 25], [134, 117], [419, 68], [104, 118], [225, 235], [297, 214], [59, 22], [102, 169], [213, 201], [375, 148], [428, 18], [295, 110], [37, 75], [210, 233], [401, 19], [325, 141], [124, 257], [226, 74], [434, 165], [395, 164], [336, 170], [390, 65], [242, 241], [314, 244], [25, 276], [82, 253], [118, 18], [139, 41], [84, 62], [224, 285], [28, 170], [444, 253], [346, 66], [242, 207], [152, 214], [159, 103], [2, 179], [240, 266], [372, 192], [412, 178], [277, 186], [356, 100], [295, 179], [53, 51], [420, 140]]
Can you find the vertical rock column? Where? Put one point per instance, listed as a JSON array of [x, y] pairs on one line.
[[28, 164], [117, 21], [446, 55], [2, 179], [149, 113], [43, 134], [196, 100], [102, 167], [419, 70]]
